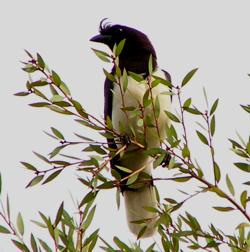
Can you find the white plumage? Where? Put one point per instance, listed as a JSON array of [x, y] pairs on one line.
[[134, 157]]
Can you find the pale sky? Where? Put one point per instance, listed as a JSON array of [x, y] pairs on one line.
[[212, 35]]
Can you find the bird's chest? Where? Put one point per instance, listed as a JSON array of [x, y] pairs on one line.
[[138, 110]]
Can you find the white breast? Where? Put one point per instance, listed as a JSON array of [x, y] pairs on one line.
[[132, 122]]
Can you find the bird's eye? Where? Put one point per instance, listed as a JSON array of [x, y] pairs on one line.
[[120, 30]]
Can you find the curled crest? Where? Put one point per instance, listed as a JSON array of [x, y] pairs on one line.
[[104, 25]]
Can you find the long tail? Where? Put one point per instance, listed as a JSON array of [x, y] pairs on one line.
[[135, 201]]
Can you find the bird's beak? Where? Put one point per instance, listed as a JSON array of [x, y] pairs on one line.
[[101, 38]]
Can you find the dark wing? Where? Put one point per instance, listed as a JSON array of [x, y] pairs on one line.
[[168, 77], [108, 105], [167, 158]]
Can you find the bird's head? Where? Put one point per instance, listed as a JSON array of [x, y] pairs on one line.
[[137, 49]]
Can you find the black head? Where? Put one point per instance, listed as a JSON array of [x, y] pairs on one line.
[[137, 48]]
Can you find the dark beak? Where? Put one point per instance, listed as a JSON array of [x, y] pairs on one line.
[[101, 38]]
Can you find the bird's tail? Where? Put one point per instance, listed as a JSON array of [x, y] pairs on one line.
[[136, 203]]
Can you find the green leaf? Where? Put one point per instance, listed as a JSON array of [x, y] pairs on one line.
[[59, 215], [247, 183], [56, 78], [182, 179], [205, 96], [141, 233], [188, 77], [38, 83], [124, 80], [230, 185], [243, 199], [33, 243], [123, 169], [194, 111], [212, 125], [39, 104], [65, 88], [52, 176], [172, 117], [28, 53], [20, 246], [187, 103], [29, 166], [41, 157], [109, 75], [40, 61], [118, 198], [243, 166], [59, 110], [101, 55], [35, 181], [8, 206], [246, 108], [39, 93], [118, 71], [150, 65], [56, 151], [57, 133], [185, 152], [121, 245], [202, 137], [132, 179], [89, 218], [163, 81], [4, 230], [223, 209], [217, 173], [20, 224], [57, 98], [29, 68], [22, 94], [88, 197], [84, 138], [214, 106], [45, 246], [120, 47], [135, 76]]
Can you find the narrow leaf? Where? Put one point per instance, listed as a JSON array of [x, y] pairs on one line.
[[230, 185], [57, 133], [33, 243], [150, 64], [202, 137], [120, 47], [29, 166], [243, 199], [4, 230], [214, 106], [212, 125], [243, 166], [217, 173], [35, 181], [188, 77], [223, 209], [20, 224], [132, 179], [172, 117], [52, 176], [59, 215]]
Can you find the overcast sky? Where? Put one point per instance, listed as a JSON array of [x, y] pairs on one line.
[[212, 35]]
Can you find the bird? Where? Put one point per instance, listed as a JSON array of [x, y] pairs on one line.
[[137, 112]]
